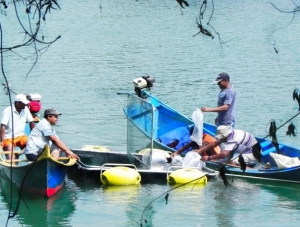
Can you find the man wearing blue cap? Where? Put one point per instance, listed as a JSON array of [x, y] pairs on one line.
[[226, 102]]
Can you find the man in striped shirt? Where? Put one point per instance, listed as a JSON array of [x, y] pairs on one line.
[[234, 142]]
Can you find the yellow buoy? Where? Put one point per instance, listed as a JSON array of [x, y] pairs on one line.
[[182, 176], [120, 175], [95, 148], [154, 150]]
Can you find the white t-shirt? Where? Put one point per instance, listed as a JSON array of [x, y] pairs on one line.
[[19, 119]]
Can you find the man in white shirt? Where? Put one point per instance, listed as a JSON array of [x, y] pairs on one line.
[[44, 134], [13, 123]]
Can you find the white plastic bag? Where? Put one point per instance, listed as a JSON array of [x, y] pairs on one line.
[[284, 162], [177, 161], [191, 159], [197, 134]]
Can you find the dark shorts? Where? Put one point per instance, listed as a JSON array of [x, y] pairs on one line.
[[31, 157]]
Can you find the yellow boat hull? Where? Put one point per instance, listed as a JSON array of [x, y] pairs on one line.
[[183, 176], [120, 175]]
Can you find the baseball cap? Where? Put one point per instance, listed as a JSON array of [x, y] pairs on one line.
[[222, 76], [21, 98], [51, 111]]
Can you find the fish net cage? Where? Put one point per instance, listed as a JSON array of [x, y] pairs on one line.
[[139, 128]]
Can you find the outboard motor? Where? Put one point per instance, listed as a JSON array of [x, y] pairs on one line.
[[141, 84], [34, 105]]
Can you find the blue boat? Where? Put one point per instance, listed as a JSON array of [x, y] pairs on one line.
[[151, 159], [154, 119]]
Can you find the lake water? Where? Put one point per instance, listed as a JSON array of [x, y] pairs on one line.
[[104, 45]]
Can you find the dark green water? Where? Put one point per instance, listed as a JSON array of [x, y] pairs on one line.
[[103, 49]]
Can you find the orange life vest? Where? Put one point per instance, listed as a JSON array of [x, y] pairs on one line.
[[208, 139]]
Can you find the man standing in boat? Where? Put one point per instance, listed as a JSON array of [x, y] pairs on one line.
[[44, 134], [13, 123], [226, 102]]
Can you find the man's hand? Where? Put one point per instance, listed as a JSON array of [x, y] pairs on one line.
[[72, 155], [205, 109]]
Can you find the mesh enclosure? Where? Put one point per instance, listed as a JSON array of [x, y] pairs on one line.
[[139, 127]]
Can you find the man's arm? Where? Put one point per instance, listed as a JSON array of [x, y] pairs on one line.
[[208, 146], [183, 148], [2, 133], [221, 155], [222, 108], [31, 125], [62, 146]]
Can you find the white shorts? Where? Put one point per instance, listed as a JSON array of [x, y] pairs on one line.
[[247, 158]]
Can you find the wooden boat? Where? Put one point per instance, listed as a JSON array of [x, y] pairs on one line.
[[154, 119], [44, 177]]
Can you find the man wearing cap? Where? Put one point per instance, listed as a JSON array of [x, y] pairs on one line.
[[235, 141], [13, 123], [226, 102], [43, 134]]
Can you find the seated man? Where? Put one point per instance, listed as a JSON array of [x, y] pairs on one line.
[[235, 141], [206, 139], [42, 134], [13, 123]]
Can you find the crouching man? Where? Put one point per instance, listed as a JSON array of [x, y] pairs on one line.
[[234, 141]]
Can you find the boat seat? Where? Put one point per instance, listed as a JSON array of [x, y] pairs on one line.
[[9, 152], [270, 150], [265, 144], [17, 160]]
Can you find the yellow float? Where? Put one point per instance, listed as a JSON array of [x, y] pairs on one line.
[[96, 148], [120, 175], [185, 175]]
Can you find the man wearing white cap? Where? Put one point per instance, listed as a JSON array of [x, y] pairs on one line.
[[235, 141], [13, 123], [226, 102]]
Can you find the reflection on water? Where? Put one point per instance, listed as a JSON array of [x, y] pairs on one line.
[[39, 211]]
